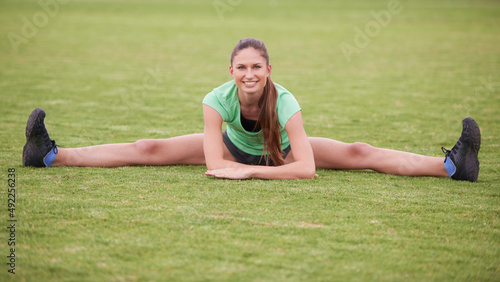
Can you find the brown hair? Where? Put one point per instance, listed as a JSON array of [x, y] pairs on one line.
[[268, 117]]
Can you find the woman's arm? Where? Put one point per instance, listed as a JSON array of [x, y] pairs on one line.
[[213, 146], [302, 165]]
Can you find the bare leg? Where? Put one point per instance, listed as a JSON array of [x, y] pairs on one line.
[[181, 150], [331, 154]]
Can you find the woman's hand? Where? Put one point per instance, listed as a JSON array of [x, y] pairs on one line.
[[230, 173]]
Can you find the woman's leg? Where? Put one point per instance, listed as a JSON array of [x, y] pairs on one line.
[[460, 163], [331, 154], [182, 150]]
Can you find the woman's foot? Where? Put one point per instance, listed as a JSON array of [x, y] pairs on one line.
[[461, 161], [40, 150]]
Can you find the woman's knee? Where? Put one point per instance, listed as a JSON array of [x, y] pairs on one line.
[[360, 150], [146, 146]]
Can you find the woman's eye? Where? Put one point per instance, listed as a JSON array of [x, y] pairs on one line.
[[241, 68], [256, 67]]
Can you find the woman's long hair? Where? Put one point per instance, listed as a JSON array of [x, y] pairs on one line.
[[268, 117]]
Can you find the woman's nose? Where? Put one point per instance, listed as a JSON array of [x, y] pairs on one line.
[[249, 73]]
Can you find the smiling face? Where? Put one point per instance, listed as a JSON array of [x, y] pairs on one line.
[[250, 71]]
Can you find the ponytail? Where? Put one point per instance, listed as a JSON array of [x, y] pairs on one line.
[[268, 120]]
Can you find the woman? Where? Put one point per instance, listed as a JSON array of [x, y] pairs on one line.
[[265, 137]]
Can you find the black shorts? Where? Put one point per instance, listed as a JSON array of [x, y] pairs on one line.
[[246, 158]]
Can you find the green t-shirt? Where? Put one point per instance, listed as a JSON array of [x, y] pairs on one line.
[[224, 99]]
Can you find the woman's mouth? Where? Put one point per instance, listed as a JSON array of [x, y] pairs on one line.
[[249, 83]]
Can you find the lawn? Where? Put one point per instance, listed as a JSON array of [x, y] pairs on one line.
[[394, 74]]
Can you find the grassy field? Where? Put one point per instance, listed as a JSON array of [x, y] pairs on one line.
[[395, 74]]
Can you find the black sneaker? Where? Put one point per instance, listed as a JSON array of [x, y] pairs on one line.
[[464, 164], [39, 150]]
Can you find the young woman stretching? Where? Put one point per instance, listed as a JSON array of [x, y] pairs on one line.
[[265, 137]]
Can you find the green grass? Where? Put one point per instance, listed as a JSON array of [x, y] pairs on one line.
[[119, 71]]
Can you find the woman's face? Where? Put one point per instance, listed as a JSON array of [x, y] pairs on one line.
[[250, 71]]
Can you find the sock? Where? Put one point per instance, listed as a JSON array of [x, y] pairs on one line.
[[50, 157], [449, 166]]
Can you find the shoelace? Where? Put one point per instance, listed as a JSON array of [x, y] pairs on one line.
[[447, 153], [54, 146], [453, 150]]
